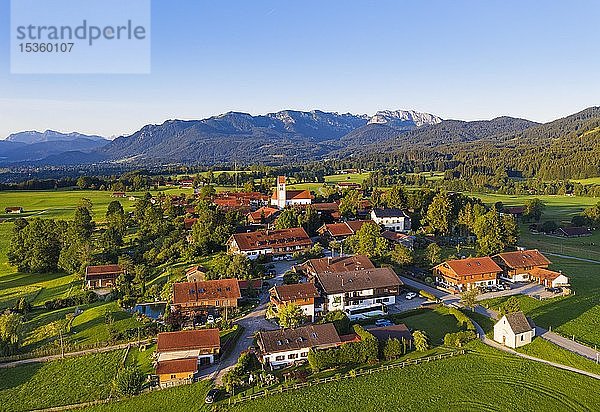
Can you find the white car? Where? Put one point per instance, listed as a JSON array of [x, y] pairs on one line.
[[411, 295], [210, 319]]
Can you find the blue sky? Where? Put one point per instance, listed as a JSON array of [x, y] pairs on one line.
[[457, 59]]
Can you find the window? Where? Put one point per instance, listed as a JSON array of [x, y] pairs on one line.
[[279, 358], [173, 376], [522, 336], [293, 356], [303, 354]]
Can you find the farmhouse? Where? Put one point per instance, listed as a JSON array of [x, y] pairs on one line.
[[578, 231], [340, 231], [302, 294], [548, 278], [347, 185], [516, 266], [194, 298], [13, 209], [177, 371], [392, 219], [195, 273], [283, 197], [314, 267], [269, 242], [359, 293], [514, 330], [252, 200], [516, 211], [399, 238], [279, 348], [102, 276], [464, 274], [328, 212], [202, 344]]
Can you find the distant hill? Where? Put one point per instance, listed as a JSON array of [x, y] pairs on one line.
[[31, 137]]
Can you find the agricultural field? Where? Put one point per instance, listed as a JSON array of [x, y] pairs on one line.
[[576, 315], [62, 382], [489, 380]]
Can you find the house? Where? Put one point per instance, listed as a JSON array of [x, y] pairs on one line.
[[201, 344], [328, 212], [516, 266], [548, 278], [119, 194], [249, 200], [514, 330], [195, 273], [264, 215], [399, 332], [13, 209], [250, 284], [348, 185], [102, 276], [314, 267], [188, 223], [302, 294], [516, 211], [465, 274], [392, 219], [283, 347], [578, 231], [398, 238], [209, 296], [176, 372], [283, 197], [269, 242], [359, 293], [340, 231]]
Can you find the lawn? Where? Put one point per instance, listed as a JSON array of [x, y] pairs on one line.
[[435, 323], [183, 398], [482, 380], [578, 314], [583, 247], [62, 382]]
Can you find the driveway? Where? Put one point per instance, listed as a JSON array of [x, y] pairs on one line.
[[529, 289], [402, 304]]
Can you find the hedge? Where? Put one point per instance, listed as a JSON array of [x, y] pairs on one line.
[[459, 339], [366, 350]]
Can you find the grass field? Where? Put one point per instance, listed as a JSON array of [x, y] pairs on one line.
[[483, 380], [583, 247], [435, 323], [63, 382], [578, 314], [589, 181]]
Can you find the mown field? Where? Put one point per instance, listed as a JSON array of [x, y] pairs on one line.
[[483, 380], [62, 382]]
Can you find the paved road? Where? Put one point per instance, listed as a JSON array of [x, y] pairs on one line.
[[568, 344], [573, 257], [496, 345]]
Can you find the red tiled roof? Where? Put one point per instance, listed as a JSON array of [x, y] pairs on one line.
[[188, 340], [188, 223], [99, 271], [541, 273], [184, 292], [295, 291], [264, 212], [264, 239], [345, 228], [473, 266], [254, 283], [395, 236], [177, 366], [523, 258], [294, 194]]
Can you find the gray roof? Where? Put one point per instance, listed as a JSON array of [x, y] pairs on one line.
[[358, 280], [391, 212], [519, 323], [319, 335]]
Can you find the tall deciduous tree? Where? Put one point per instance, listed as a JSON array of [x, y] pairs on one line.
[[290, 315], [367, 241], [439, 213]]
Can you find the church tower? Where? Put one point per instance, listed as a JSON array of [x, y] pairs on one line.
[[281, 195]]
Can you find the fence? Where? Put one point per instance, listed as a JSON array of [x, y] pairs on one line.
[[338, 377]]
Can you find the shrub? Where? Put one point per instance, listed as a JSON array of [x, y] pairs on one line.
[[80, 299], [340, 321], [463, 320], [428, 296], [392, 349], [129, 381], [459, 339], [366, 350]]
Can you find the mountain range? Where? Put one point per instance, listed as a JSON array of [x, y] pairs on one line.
[[283, 137]]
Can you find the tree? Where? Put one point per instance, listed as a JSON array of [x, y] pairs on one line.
[[420, 340], [129, 381], [368, 241], [592, 214], [115, 217], [339, 319], [439, 213], [290, 315], [549, 226], [396, 197], [469, 298], [36, 247], [402, 255], [489, 232], [510, 230], [433, 253], [534, 208], [511, 305], [288, 218], [350, 203], [392, 349], [11, 333]]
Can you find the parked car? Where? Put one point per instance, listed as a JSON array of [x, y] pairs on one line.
[[383, 322], [288, 257], [271, 272], [411, 295], [554, 290], [500, 287], [210, 319], [211, 396]]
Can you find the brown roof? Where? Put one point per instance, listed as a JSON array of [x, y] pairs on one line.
[[294, 194], [339, 264], [280, 179], [254, 283], [523, 258], [358, 280], [514, 210], [344, 228], [473, 266], [100, 271], [296, 291], [322, 207], [395, 236], [188, 223], [519, 323], [188, 340], [303, 337], [264, 239], [177, 366], [264, 212], [575, 231], [184, 292], [541, 273], [389, 332]]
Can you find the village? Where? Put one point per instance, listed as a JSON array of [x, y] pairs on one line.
[[320, 296]]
